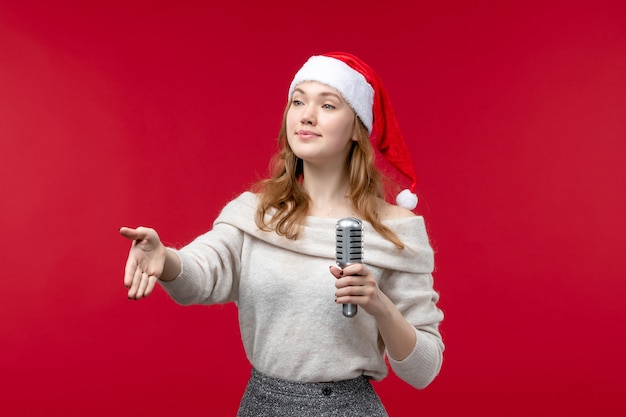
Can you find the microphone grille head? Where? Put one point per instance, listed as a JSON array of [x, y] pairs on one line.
[[349, 239]]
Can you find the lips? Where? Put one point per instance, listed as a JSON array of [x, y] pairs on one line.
[[306, 134]]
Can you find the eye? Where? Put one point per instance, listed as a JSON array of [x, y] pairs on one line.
[[328, 106], [296, 102]]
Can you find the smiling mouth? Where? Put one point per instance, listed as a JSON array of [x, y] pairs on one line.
[[306, 134]]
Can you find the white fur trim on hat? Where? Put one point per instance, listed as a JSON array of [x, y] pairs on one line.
[[337, 74]]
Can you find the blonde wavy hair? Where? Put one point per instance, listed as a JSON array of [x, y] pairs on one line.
[[284, 204]]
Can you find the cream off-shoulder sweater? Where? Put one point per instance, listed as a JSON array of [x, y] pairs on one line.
[[290, 325]]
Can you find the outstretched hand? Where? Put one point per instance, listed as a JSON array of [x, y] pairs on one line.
[[145, 263]]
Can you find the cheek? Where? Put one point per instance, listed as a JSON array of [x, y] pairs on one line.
[[345, 129], [343, 124], [291, 119]]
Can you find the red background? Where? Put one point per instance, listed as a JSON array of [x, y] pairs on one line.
[[157, 113]]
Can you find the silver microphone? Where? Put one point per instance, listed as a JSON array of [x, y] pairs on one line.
[[349, 237]]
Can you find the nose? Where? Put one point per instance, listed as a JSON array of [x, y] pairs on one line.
[[308, 116]]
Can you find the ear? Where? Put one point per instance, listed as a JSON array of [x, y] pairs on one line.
[[355, 128]]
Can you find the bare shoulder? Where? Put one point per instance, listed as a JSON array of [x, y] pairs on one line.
[[391, 212]]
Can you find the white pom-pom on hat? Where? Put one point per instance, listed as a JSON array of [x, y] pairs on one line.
[[407, 199]]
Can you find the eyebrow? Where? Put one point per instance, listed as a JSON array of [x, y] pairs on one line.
[[323, 94]]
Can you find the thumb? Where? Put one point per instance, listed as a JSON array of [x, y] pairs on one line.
[[336, 272], [133, 234]]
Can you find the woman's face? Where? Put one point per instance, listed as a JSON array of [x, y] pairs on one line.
[[320, 124]]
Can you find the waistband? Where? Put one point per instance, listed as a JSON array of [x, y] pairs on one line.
[[335, 388]]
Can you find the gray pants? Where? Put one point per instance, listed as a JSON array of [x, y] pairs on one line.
[[272, 397]]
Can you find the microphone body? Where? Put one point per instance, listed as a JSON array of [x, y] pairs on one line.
[[349, 239]]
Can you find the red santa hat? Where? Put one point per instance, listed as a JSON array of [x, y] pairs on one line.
[[364, 91]]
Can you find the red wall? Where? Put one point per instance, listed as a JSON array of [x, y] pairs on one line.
[[130, 113]]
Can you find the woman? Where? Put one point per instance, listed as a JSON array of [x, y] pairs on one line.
[[272, 251]]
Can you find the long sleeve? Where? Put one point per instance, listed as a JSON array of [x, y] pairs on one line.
[[210, 268], [414, 296]]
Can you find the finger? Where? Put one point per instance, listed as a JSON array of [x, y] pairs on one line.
[[347, 296], [350, 281], [152, 280], [129, 270], [143, 286], [351, 287], [132, 292], [355, 269], [336, 272], [143, 283], [347, 300], [133, 234]]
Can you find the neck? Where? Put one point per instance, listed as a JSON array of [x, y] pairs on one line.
[[328, 190]]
